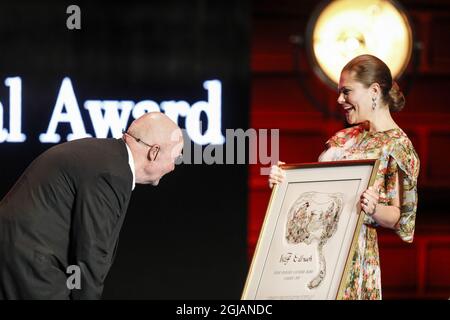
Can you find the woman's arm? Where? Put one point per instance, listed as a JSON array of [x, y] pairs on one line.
[[385, 215], [276, 175]]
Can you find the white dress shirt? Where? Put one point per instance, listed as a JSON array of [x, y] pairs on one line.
[[131, 163]]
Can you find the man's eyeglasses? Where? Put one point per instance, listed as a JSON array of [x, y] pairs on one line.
[[151, 146]]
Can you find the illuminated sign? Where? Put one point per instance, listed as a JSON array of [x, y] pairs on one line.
[[113, 115]]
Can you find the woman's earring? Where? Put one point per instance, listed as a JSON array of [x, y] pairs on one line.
[[374, 104]]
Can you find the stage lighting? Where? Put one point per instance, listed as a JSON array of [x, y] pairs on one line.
[[340, 30]]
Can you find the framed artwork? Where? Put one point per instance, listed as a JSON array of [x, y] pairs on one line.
[[310, 231]]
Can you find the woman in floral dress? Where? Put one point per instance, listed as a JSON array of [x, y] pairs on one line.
[[368, 95]]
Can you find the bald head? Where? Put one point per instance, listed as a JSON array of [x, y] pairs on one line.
[[157, 142], [156, 128]]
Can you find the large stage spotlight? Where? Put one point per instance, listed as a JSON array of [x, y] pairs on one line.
[[339, 30]]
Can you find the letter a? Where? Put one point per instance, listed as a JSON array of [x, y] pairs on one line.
[[66, 98], [74, 20], [74, 281]]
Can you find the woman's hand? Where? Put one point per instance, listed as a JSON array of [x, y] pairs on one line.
[[369, 201], [276, 175]]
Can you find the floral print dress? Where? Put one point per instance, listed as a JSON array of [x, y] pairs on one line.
[[397, 155]]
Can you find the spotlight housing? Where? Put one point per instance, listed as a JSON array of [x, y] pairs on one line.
[[340, 30]]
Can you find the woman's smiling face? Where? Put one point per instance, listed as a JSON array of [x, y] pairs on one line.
[[355, 99]]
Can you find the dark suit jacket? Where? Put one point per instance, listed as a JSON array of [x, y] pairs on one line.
[[66, 209]]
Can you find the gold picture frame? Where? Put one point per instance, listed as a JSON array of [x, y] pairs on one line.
[[310, 231]]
